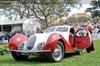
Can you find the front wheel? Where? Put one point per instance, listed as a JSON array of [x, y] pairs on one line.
[[18, 56], [58, 54]]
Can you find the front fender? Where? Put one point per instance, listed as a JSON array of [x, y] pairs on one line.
[[16, 40], [52, 41]]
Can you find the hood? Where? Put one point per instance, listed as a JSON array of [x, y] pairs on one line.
[[36, 39], [42, 36]]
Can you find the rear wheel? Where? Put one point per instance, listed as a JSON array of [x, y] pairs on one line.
[[58, 54], [18, 56]]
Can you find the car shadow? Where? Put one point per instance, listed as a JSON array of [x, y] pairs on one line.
[[31, 60], [38, 60], [69, 55], [46, 59], [35, 59]]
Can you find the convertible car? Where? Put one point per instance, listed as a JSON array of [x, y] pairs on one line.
[[53, 43]]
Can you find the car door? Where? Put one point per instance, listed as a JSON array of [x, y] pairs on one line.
[[82, 39], [71, 37]]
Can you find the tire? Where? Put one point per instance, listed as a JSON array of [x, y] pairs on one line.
[[58, 54], [18, 56]]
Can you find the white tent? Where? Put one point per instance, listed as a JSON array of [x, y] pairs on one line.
[[9, 22]]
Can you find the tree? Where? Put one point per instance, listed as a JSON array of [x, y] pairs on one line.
[[20, 7], [5, 3], [72, 20], [78, 19], [15, 7], [46, 11], [95, 10]]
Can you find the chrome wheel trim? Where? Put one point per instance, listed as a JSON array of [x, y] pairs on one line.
[[57, 54]]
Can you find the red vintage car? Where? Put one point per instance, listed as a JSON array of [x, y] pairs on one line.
[[53, 43]]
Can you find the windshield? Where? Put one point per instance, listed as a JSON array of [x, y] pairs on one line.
[[51, 29], [56, 29], [62, 29]]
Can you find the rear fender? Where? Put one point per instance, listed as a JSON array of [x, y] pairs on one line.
[[16, 40]]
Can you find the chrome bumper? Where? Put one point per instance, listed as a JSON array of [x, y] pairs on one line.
[[29, 51]]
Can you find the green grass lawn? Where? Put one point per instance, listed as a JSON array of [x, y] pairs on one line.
[[85, 59]]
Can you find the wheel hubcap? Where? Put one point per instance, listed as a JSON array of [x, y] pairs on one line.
[[57, 54]]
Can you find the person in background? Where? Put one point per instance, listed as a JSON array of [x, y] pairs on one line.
[[88, 26], [98, 31]]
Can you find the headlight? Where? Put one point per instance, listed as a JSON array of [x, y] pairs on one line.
[[21, 46], [40, 46], [31, 42]]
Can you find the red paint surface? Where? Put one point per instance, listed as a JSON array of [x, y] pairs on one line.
[[71, 40], [68, 46], [16, 40], [53, 40], [82, 42]]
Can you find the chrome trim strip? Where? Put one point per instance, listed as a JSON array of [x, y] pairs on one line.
[[30, 51]]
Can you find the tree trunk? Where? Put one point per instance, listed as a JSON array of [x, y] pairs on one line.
[[46, 21]]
